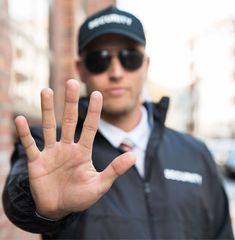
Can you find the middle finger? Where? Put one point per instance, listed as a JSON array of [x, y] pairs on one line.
[[70, 115]]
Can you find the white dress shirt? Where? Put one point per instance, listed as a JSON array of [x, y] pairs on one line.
[[139, 137]]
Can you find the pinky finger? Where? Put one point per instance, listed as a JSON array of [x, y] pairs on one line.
[[26, 138]]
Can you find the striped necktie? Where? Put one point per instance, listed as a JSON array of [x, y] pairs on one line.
[[126, 145]]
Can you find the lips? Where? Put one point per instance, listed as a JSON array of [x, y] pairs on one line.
[[116, 91]]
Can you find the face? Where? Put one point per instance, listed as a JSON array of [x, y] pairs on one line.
[[121, 88]]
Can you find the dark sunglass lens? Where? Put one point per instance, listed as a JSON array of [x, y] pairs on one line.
[[131, 59], [98, 61]]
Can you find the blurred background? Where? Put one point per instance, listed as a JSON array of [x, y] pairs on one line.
[[191, 44]]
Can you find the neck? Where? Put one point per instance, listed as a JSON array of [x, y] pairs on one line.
[[126, 122]]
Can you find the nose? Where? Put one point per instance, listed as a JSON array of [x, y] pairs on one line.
[[115, 69]]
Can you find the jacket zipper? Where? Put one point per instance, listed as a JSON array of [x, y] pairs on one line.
[[147, 190]]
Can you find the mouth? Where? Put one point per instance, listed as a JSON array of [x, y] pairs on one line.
[[116, 91]]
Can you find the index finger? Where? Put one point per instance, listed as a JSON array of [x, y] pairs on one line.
[[91, 122]]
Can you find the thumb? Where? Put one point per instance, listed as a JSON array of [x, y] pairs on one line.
[[115, 169]]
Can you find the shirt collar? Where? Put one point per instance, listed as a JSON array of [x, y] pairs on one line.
[[112, 133], [138, 136]]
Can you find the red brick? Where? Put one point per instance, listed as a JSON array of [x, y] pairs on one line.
[[63, 34]]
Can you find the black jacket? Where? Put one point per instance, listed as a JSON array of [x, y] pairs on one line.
[[181, 196]]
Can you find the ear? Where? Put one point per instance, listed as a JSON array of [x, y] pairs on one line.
[[146, 66], [147, 59]]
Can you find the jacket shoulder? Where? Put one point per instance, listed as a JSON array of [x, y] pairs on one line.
[[185, 138], [190, 145]]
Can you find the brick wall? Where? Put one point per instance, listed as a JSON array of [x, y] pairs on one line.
[[65, 18], [7, 229], [5, 110], [62, 43], [64, 15], [91, 6]]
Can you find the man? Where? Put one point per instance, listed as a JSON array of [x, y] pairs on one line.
[[64, 185]]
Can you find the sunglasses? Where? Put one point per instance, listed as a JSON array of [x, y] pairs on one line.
[[99, 61]]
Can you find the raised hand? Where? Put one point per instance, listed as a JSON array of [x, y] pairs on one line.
[[62, 177]]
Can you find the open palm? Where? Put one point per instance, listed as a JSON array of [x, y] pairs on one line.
[[62, 176]]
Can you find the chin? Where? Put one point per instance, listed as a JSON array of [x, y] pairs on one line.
[[119, 107], [115, 111]]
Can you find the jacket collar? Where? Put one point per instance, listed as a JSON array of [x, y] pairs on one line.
[[157, 111]]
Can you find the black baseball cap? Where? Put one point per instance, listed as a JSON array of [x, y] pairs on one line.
[[110, 20]]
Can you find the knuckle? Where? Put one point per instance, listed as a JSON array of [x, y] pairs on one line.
[[48, 126], [69, 120], [29, 144], [90, 127], [66, 141], [47, 109]]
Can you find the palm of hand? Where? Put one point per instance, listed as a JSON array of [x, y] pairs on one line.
[[60, 173]]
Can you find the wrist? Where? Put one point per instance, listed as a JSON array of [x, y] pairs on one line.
[[51, 216]]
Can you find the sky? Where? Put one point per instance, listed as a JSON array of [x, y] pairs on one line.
[[169, 25]]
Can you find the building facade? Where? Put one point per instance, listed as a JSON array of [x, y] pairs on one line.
[[36, 51]]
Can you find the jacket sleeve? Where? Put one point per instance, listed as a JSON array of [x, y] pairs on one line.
[[224, 228], [219, 202], [18, 203], [223, 218]]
